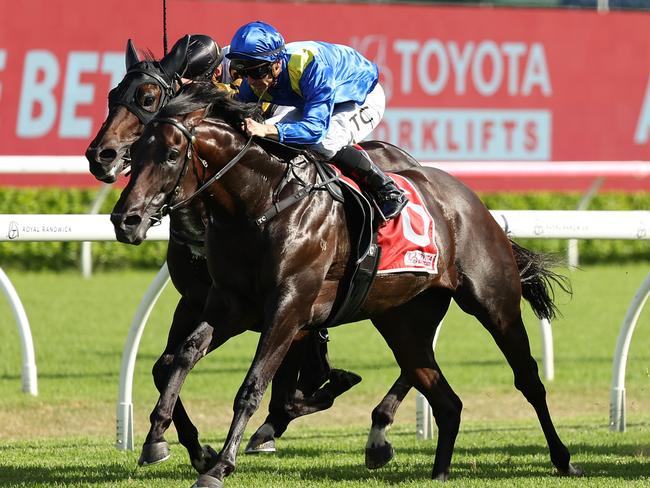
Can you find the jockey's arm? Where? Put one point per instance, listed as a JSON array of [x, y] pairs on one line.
[[317, 88], [254, 128]]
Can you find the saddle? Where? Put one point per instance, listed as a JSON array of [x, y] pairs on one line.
[[362, 228]]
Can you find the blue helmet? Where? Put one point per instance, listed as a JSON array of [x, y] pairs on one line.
[[256, 41]]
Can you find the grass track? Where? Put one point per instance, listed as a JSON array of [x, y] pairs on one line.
[[64, 436], [497, 454]]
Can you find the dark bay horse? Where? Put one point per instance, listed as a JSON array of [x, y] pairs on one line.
[[147, 86], [284, 274]]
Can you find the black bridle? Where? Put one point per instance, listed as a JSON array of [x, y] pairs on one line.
[[278, 206], [125, 93], [167, 208]]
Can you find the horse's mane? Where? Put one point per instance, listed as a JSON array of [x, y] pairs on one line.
[[147, 55], [220, 104]]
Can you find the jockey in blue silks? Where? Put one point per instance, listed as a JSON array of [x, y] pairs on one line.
[[337, 98]]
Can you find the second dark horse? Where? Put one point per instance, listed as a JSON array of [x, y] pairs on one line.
[[147, 86]]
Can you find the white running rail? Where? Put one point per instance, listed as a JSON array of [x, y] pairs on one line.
[[519, 223]]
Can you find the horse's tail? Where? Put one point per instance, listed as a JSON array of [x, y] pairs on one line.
[[537, 280]]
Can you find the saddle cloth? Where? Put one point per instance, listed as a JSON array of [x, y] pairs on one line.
[[408, 241]]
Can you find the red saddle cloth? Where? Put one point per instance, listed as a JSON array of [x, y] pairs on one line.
[[408, 241]]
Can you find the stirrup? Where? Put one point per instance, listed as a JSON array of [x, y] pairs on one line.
[[391, 204]]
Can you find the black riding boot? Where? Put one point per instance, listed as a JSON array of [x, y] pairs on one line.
[[356, 163]]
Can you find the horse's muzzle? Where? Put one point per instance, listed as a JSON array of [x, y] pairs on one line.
[[129, 228], [105, 164]]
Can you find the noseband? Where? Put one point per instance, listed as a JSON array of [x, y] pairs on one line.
[[168, 207]]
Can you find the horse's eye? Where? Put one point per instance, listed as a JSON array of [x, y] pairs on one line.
[[148, 100], [173, 155]]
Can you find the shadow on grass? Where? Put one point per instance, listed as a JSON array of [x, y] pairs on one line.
[[84, 475], [620, 459], [515, 463], [335, 465]]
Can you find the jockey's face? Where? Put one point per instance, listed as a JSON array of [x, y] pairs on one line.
[[262, 79], [217, 75]]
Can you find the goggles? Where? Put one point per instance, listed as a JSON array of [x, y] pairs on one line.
[[257, 71]]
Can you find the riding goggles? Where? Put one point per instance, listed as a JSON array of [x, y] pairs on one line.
[[257, 71]]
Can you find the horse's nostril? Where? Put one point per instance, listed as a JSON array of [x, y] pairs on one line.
[[132, 220], [107, 155]]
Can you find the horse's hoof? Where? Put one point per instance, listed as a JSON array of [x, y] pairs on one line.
[[342, 380], [573, 471], [259, 445], [441, 477], [380, 456], [207, 461], [154, 453], [263, 440], [207, 481]]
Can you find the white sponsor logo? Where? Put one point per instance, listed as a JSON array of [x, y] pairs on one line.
[[642, 133], [15, 229], [419, 259], [38, 108], [517, 69], [465, 134], [13, 233], [3, 62], [487, 68]]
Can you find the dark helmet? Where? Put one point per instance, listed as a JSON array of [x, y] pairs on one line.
[[256, 41], [203, 57]]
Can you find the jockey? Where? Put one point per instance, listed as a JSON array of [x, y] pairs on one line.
[[206, 62], [337, 96]]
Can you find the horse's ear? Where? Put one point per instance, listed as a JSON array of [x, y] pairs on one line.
[[196, 117], [131, 57], [176, 60]]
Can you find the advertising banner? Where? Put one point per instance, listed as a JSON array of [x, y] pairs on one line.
[[463, 84]]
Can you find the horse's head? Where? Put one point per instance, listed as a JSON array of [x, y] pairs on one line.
[[161, 159], [147, 86], [180, 154]]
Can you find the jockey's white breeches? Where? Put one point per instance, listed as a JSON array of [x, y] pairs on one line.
[[350, 122]]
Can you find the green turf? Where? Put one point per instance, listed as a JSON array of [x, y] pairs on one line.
[[498, 454], [64, 436]]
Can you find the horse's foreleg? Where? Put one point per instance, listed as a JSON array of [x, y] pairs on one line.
[[275, 341], [201, 457], [195, 346], [271, 350], [379, 450], [283, 393]]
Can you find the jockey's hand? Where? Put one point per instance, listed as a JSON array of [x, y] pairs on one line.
[[253, 128]]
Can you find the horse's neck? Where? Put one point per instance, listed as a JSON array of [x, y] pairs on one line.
[[187, 224], [247, 190]]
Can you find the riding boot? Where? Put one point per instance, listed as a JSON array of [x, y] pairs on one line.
[[357, 164]]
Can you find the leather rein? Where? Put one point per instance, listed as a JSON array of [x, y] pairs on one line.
[[167, 207], [277, 207]]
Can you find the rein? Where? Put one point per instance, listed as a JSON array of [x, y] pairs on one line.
[[274, 210], [167, 208]]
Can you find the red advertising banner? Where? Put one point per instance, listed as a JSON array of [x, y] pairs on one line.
[[462, 83]]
